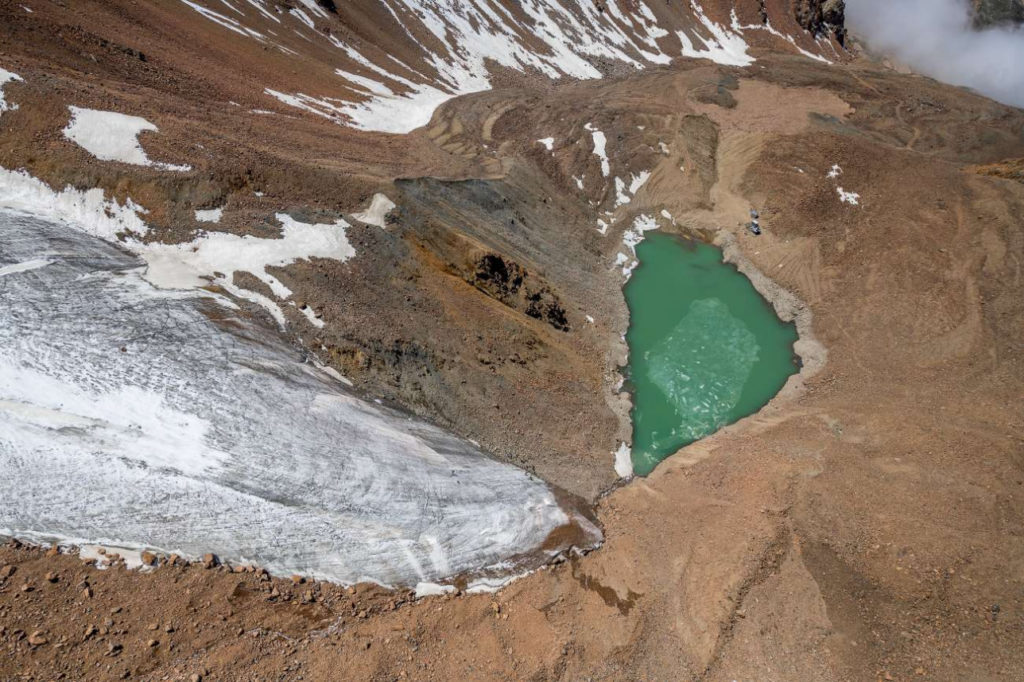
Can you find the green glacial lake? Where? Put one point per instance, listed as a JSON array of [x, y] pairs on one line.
[[705, 349]]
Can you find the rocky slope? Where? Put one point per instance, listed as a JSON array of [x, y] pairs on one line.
[[860, 527], [410, 319], [823, 17], [998, 12]]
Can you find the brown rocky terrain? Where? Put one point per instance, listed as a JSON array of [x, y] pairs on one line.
[[865, 525]]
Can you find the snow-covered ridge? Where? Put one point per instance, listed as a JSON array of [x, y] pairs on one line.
[[439, 49], [446, 47], [556, 38], [724, 46]]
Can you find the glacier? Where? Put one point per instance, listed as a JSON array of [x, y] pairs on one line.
[[168, 419]]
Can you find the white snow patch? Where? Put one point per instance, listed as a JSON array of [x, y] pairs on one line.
[[851, 198], [767, 26], [88, 210], [833, 172], [315, 8], [623, 461], [548, 142], [624, 196], [399, 114], [375, 213], [231, 7], [185, 266], [579, 181], [432, 590], [637, 181], [491, 584], [209, 215], [311, 316], [333, 373], [320, 107], [262, 301], [600, 142], [226, 22], [590, 319], [723, 47], [101, 556], [621, 197], [630, 238], [258, 4], [368, 84], [5, 78], [302, 16], [110, 136]]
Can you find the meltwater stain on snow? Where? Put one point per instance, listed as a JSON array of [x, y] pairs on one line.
[[140, 417], [704, 348]]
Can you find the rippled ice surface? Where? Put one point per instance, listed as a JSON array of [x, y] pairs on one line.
[[701, 366], [142, 417]]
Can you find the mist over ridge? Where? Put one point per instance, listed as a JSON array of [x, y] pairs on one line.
[[937, 39]]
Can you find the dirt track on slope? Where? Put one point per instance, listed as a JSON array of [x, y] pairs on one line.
[[865, 525]]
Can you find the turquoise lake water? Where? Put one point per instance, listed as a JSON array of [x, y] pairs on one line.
[[705, 348]]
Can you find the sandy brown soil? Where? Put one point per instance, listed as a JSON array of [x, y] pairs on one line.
[[865, 525]]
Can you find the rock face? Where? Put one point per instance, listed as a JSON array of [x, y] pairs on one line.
[[826, 17], [998, 12]]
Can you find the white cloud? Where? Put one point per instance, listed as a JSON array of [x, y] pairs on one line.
[[935, 38]]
